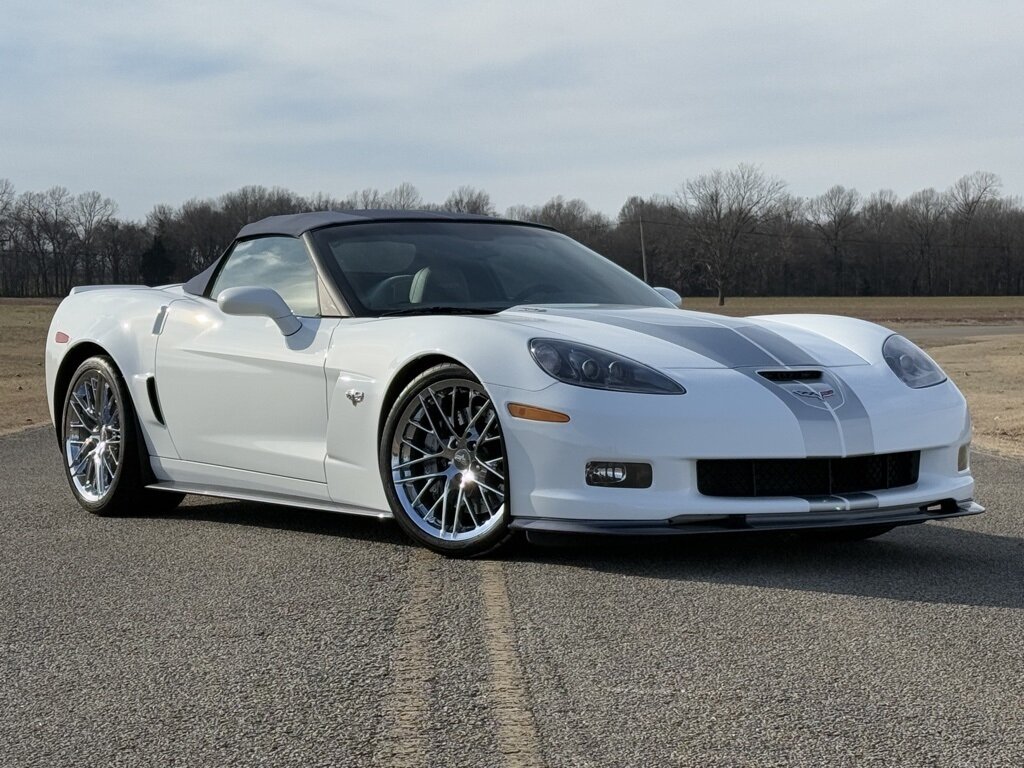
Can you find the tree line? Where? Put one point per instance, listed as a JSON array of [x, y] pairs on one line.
[[728, 232]]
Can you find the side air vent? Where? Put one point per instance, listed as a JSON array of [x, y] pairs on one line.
[[154, 401], [791, 375]]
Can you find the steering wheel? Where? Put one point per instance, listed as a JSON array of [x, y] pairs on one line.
[[536, 288]]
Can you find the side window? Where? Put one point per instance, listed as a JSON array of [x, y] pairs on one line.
[[281, 263]]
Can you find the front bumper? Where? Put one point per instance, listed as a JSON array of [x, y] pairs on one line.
[[720, 417], [944, 509]]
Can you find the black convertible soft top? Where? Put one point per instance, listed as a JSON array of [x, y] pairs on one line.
[[296, 224]]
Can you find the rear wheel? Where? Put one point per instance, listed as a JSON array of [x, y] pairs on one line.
[[103, 450], [442, 460]]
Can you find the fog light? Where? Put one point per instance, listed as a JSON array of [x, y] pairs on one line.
[[963, 459], [619, 474]]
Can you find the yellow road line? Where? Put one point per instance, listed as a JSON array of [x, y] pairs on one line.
[[517, 730], [406, 712]]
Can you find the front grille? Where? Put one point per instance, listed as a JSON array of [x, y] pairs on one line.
[[806, 477]]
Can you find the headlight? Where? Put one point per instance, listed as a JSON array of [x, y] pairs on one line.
[[586, 366], [913, 366]]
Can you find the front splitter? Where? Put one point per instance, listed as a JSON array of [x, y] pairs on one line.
[[941, 509]]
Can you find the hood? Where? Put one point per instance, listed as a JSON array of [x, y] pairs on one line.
[[674, 339]]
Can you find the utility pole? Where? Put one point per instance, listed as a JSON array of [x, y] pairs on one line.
[[643, 251]]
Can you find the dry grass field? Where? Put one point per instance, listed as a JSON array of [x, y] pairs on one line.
[[23, 326], [986, 310], [988, 368]]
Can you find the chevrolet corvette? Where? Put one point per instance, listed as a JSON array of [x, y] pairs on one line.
[[472, 377]]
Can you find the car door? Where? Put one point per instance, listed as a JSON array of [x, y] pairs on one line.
[[235, 392]]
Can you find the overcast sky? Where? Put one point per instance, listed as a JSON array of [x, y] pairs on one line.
[[153, 102]]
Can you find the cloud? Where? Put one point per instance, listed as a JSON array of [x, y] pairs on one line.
[[157, 102]]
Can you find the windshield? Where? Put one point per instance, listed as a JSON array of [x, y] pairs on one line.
[[399, 267]]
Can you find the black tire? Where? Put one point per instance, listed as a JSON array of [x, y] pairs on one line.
[[126, 492], [494, 531], [847, 533]]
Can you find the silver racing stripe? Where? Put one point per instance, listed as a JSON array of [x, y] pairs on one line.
[[785, 351], [853, 419], [747, 348], [818, 425]]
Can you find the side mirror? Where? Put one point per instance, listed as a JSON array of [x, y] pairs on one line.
[[671, 295], [248, 300]]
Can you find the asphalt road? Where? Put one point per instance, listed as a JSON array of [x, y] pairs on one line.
[[240, 634]]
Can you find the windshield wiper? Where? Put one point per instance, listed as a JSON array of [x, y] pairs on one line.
[[441, 310]]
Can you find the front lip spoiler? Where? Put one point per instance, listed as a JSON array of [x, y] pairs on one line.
[[941, 509]]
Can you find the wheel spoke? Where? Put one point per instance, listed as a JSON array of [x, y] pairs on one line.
[[90, 472], [104, 400], [479, 413], [81, 409], [444, 419], [420, 460], [487, 428], [492, 470], [458, 505], [444, 504], [486, 487], [414, 447], [100, 475], [430, 512], [406, 480], [469, 508], [430, 419], [111, 470], [483, 499], [423, 490], [80, 462]]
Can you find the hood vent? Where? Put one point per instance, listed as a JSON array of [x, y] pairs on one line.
[[791, 375]]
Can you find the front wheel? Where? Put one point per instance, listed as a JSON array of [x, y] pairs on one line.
[[103, 452], [443, 463]]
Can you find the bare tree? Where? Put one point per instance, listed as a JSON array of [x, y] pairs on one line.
[[468, 199], [924, 217], [324, 201], [90, 212], [521, 212], [257, 202], [964, 200], [790, 212], [878, 215], [724, 208], [45, 231], [404, 197], [834, 216]]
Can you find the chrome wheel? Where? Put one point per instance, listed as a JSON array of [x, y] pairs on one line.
[[92, 435], [448, 462]]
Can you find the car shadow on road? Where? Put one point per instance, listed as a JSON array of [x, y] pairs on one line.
[[934, 563]]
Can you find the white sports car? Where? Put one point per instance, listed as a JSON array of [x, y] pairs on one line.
[[471, 377]]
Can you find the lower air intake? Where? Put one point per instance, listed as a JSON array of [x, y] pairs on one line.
[[807, 477]]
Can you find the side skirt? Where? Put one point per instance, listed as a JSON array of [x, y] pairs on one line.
[[265, 497]]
